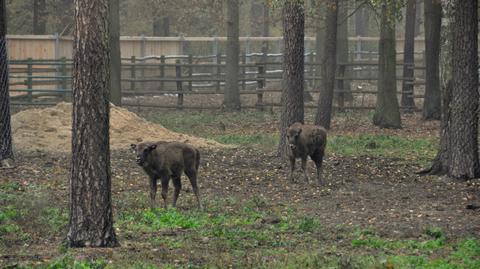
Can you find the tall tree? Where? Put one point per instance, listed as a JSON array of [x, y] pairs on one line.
[[342, 44], [419, 17], [39, 17], [432, 100], [256, 17], [91, 218], [5, 127], [329, 63], [293, 69], [319, 11], [361, 19], [387, 114], [265, 26], [161, 26], [408, 99], [458, 153], [115, 54], [232, 93]]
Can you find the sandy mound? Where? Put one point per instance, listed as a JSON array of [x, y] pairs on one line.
[[50, 129]]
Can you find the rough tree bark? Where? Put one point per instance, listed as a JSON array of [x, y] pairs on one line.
[[293, 69], [465, 99], [39, 17], [408, 56], [432, 100], [329, 66], [115, 54], [232, 94], [458, 153], [91, 220], [387, 114], [5, 126]]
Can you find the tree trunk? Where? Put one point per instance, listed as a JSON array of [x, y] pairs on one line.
[[115, 61], [91, 220], [39, 17], [458, 153], [342, 45], [293, 69], [319, 39], [256, 17], [361, 20], [419, 16], [161, 26], [232, 94], [465, 101], [432, 100], [5, 127], [387, 114], [408, 56], [324, 110], [265, 28]]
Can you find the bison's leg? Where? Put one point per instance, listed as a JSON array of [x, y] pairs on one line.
[[178, 186], [317, 157], [165, 180], [304, 167], [292, 167], [153, 191], [192, 176]]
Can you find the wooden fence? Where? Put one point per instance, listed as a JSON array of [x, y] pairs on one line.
[[187, 75]]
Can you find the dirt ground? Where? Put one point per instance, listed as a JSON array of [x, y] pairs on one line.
[[382, 194]]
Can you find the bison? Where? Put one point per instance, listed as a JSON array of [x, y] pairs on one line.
[[164, 160], [306, 140]]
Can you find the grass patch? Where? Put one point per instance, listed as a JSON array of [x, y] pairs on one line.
[[384, 145]]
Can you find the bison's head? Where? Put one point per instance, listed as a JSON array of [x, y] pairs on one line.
[[293, 132], [142, 151]]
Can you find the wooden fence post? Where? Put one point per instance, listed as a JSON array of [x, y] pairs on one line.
[[260, 87], [63, 72], [162, 71], [190, 72], [219, 71], [178, 71], [132, 74], [29, 80]]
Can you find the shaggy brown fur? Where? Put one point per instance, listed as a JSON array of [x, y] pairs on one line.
[[303, 141], [164, 160]]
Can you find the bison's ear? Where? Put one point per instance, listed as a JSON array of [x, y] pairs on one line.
[[133, 146]]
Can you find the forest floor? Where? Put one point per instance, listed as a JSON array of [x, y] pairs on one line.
[[372, 212]]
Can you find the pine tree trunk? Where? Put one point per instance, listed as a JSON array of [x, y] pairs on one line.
[[465, 99], [387, 114], [39, 17], [115, 54], [293, 65], [161, 26], [329, 66], [5, 126], [232, 94], [432, 100], [408, 56], [91, 220], [342, 45]]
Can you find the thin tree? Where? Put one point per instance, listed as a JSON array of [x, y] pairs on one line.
[[161, 26], [408, 55], [329, 63], [342, 45], [458, 153], [319, 11], [115, 54], [265, 27], [293, 69], [387, 114], [232, 93], [6, 152], [432, 100], [91, 218], [39, 17]]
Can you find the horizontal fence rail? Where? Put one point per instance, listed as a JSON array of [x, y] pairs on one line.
[[32, 81]]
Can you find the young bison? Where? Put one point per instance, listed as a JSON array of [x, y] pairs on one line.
[[303, 141], [162, 160]]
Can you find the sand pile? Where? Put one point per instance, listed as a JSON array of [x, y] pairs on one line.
[[50, 129]]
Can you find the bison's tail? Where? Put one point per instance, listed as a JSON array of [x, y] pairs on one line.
[[197, 159]]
